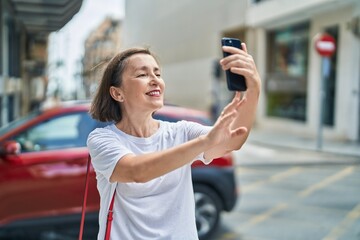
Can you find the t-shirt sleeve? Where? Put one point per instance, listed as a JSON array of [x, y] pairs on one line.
[[106, 150], [195, 130]]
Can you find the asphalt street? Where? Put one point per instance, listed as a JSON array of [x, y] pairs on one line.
[[293, 192]]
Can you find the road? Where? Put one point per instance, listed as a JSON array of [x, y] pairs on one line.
[[309, 196]]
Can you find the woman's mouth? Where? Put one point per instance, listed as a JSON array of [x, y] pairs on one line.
[[154, 93]]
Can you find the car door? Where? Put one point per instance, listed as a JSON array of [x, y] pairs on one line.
[[48, 177]]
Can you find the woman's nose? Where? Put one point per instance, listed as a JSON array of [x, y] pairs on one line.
[[154, 79]]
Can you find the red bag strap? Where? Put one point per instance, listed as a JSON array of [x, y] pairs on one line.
[[85, 199], [110, 213], [109, 218]]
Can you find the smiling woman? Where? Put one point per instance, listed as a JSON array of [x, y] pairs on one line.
[[144, 88], [144, 164]]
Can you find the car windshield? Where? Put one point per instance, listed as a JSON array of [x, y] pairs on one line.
[[14, 124]]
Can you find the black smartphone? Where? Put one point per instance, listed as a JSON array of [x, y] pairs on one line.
[[234, 81]]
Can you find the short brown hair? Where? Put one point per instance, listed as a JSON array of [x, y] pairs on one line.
[[103, 107]]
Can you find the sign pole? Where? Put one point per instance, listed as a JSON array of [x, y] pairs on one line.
[[325, 45], [324, 76]]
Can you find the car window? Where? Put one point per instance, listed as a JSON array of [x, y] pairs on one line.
[[14, 124], [66, 131]]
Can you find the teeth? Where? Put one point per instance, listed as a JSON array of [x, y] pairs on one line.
[[154, 93]]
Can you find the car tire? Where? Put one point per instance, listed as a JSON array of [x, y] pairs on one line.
[[208, 206]]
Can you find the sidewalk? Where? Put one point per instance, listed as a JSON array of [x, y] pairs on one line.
[[266, 147]]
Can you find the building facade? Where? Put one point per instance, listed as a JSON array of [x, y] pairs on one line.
[[280, 35], [24, 28], [101, 45]]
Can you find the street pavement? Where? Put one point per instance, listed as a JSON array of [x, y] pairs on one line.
[[292, 190], [269, 147]]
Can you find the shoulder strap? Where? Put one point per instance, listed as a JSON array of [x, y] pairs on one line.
[[85, 198], [109, 218], [110, 213]]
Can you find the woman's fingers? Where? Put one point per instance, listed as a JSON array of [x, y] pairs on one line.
[[235, 60], [234, 105], [222, 129], [226, 118], [239, 62], [231, 50], [231, 106], [239, 131], [243, 46], [237, 96], [241, 102]]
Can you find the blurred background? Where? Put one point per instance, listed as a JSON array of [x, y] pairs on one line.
[[53, 51], [49, 51]]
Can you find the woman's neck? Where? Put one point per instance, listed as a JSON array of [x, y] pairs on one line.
[[138, 127]]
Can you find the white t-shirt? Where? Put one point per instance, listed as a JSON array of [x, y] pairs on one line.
[[163, 208]]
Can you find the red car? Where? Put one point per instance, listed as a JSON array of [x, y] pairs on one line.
[[42, 175]]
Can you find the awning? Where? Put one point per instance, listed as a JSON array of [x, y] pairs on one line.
[[45, 16]]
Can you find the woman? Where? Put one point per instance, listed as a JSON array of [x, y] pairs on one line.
[[148, 161]]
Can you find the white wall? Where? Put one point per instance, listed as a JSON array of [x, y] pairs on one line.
[[186, 37], [353, 131]]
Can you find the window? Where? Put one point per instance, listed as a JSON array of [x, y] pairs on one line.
[[66, 131], [14, 49], [287, 72]]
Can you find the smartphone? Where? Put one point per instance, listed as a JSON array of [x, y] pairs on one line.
[[234, 81]]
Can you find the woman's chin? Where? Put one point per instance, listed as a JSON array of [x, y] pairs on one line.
[[156, 105], [160, 105]]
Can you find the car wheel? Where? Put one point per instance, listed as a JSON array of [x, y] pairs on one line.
[[207, 210]]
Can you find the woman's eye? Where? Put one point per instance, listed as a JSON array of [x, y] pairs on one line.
[[142, 75]]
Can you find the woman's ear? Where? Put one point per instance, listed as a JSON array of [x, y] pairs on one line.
[[116, 94]]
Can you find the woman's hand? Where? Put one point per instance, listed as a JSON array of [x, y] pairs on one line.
[[223, 130], [242, 63], [234, 123]]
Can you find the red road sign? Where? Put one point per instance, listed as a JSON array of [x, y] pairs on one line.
[[325, 45]]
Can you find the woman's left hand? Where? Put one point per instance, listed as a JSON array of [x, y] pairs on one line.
[[242, 63]]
